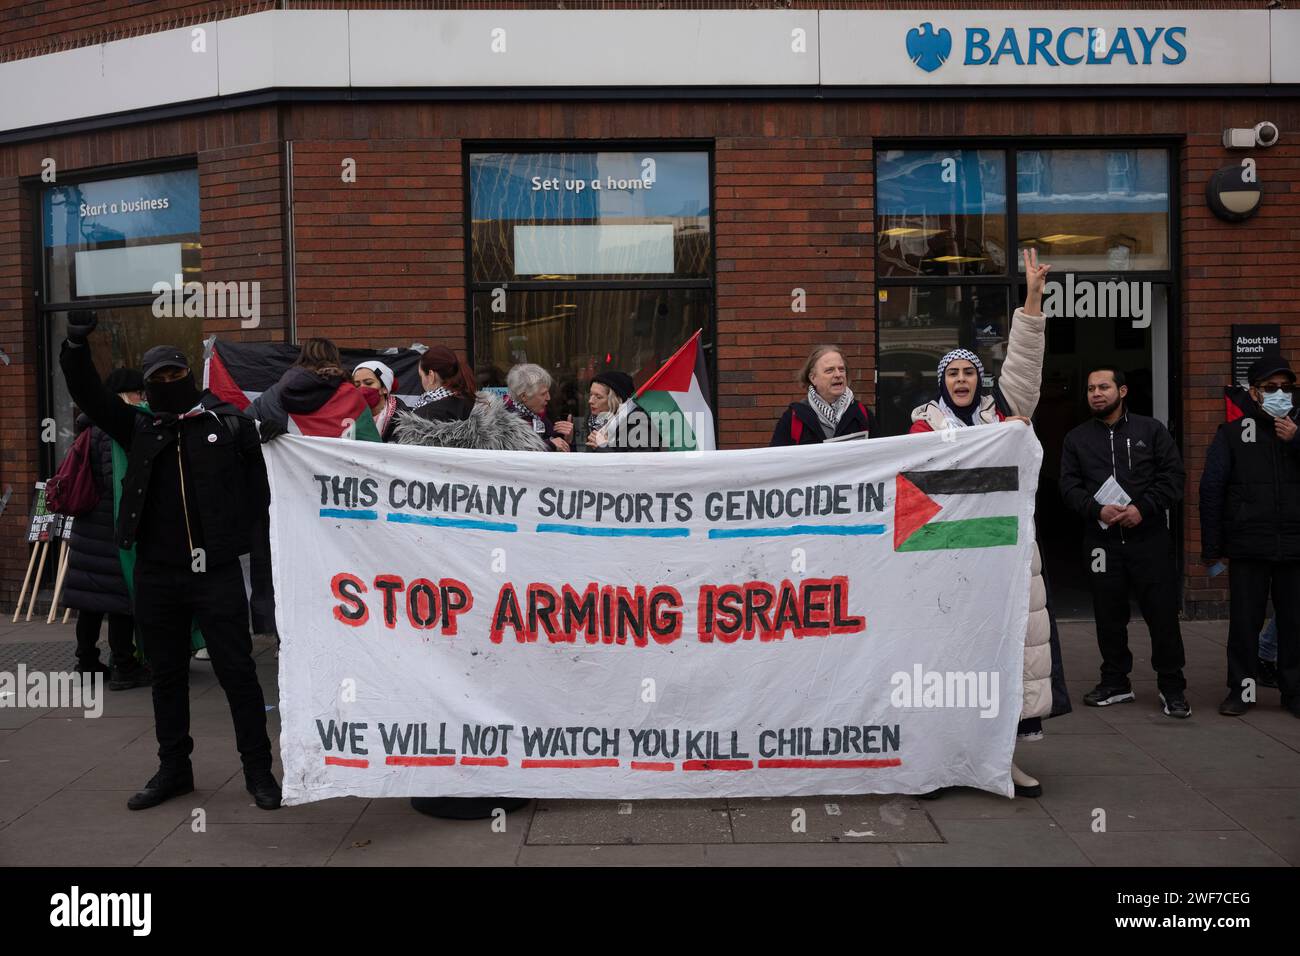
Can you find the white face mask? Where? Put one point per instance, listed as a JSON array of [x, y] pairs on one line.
[[1276, 403]]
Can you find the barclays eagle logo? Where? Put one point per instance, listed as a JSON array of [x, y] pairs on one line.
[[927, 49]]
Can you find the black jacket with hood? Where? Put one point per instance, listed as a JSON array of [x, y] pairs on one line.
[[94, 579], [1250, 490], [1141, 454], [206, 489]]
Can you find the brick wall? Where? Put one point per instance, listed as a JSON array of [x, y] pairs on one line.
[[1232, 272]]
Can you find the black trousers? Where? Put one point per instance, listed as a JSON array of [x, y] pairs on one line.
[[1250, 585], [121, 639], [167, 599], [259, 573], [1143, 566]]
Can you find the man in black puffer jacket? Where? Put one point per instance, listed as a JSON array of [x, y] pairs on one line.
[[194, 487], [1134, 551], [1250, 514]]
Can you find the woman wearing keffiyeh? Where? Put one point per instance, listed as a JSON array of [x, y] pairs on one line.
[[962, 402]]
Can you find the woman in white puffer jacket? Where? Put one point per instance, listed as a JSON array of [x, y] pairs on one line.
[[962, 403]]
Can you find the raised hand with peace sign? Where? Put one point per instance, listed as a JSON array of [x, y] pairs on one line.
[[1035, 279]]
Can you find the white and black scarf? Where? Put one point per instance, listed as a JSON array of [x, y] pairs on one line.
[[527, 414], [435, 395], [829, 414]]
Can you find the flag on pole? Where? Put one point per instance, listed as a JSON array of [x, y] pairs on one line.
[[675, 400]]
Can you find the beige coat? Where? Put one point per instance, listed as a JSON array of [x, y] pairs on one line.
[[1021, 383]]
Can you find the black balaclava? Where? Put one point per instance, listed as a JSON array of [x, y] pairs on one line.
[[174, 398], [966, 414]]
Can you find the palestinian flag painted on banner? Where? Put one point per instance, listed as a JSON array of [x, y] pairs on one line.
[[676, 398], [238, 372], [965, 496]]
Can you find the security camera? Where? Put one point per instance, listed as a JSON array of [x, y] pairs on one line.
[[1266, 133]]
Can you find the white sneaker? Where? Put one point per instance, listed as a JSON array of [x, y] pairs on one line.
[[202, 654]]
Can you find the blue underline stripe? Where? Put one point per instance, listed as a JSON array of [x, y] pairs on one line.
[[613, 532], [349, 513], [838, 529], [469, 523]]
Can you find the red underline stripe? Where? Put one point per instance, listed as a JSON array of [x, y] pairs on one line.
[[345, 762], [718, 765], [484, 762], [399, 761], [569, 764], [650, 765], [805, 764]]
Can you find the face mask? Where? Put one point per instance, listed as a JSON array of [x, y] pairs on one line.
[[1276, 404], [174, 397]]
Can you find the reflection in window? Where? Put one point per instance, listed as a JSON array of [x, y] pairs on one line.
[[557, 216], [1029, 173], [918, 326], [941, 212], [1096, 210]]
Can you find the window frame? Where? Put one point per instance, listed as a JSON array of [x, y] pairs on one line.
[[474, 287]]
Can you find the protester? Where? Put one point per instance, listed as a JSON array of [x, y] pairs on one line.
[[316, 394], [1127, 547], [380, 378], [449, 386], [194, 488], [961, 402], [94, 585], [829, 410], [1250, 517], [611, 427], [609, 390], [530, 393]]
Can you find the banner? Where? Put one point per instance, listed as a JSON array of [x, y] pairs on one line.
[[839, 619]]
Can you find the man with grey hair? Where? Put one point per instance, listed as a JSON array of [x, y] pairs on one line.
[[530, 393]]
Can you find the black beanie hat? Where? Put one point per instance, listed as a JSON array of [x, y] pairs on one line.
[[619, 382], [125, 380]]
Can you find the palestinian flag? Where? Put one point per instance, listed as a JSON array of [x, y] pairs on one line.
[[676, 399], [238, 372], [1237, 403], [960, 492]]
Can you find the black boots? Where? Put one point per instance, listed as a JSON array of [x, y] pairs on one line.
[[162, 786]]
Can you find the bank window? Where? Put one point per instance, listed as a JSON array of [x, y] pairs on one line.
[[941, 212], [106, 245], [1099, 210], [587, 261]]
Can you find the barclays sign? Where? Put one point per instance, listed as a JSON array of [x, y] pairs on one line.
[[1049, 47], [1029, 46]]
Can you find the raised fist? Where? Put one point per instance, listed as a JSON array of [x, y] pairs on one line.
[[81, 322]]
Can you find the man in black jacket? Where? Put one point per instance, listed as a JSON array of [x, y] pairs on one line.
[[1128, 548], [194, 486], [1250, 513]]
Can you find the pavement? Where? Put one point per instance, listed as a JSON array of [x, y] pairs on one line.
[[1207, 791]]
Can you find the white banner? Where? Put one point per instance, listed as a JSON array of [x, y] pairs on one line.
[[839, 619]]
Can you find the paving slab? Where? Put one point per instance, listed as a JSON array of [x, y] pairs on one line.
[[413, 839], [74, 736], [652, 855], [792, 854], [250, 844], [1218, 750], [131, 767], [855, 819], [1271, 814], [1036, 842], [1081, 720], [1137, 802], [1268, 717], [91, 828], [573, 822], [964, 803], [1168, 848], [29, 780], [11, 718], [1068, 754], [232, 803]]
